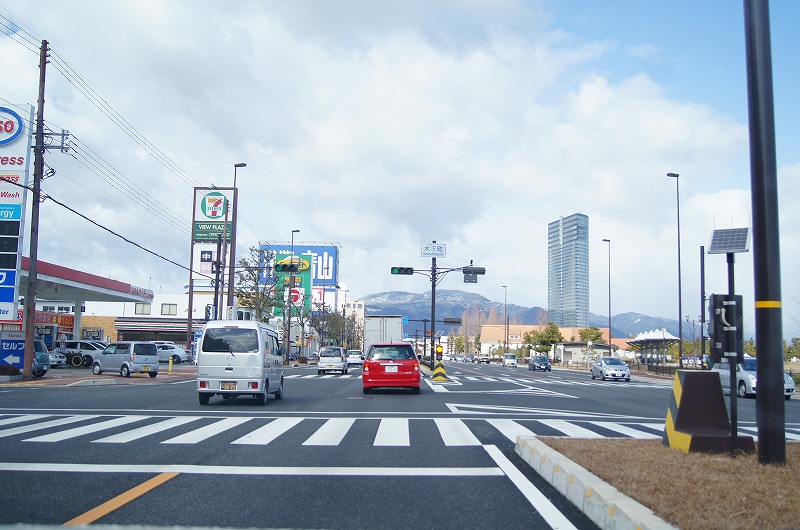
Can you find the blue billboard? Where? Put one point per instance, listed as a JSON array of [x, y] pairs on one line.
[[324, 261]]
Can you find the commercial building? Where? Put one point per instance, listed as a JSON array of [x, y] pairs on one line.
[[568, 271]]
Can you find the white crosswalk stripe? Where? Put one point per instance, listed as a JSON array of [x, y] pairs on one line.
[[390, 432]]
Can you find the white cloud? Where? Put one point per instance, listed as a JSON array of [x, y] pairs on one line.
[[382, 129]]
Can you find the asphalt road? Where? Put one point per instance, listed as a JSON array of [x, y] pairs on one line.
[[144, 451]]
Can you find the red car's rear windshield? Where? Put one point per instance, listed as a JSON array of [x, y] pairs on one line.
[[391, 353]]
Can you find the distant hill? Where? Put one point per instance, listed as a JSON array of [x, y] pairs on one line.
[[452, 303]]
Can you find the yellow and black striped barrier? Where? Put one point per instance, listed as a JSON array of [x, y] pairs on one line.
[[439, 373], [697, 420]]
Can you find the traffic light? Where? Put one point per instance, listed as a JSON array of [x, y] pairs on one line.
[[471, 273], [402, 270], [285, 267]]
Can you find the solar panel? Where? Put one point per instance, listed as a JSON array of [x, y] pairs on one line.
[[730, 240]]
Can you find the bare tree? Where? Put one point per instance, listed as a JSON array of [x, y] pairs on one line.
[[256, 287]]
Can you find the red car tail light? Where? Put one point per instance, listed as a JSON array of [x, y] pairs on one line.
[[253, 385], [203, 384]]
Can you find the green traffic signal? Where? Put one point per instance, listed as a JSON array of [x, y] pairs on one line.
[[402, 270]]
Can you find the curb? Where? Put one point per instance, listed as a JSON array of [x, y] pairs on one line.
[[601, 502]]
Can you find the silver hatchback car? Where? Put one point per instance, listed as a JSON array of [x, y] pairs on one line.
[[332, 359], [127, 358], [611, 368], [747, 378]]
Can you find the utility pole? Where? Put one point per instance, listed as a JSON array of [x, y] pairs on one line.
[[38, 172]]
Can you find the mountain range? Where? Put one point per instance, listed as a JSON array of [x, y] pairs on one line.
[[453, 303]]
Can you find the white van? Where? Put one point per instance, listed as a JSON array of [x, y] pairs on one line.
[[236, 358]]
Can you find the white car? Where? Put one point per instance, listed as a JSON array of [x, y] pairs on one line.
[[510, 360], [57, 359], [611, 368], [171, 351], [332, 359], [747, 378], [355, 357]]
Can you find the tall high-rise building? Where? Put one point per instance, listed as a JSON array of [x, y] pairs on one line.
[[568, 271]]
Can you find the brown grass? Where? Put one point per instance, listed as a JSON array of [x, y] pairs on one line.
[[695, 491]]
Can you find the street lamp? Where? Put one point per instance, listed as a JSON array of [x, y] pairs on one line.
[[680, 306], [505, 319], [233, 233], [609, 294]]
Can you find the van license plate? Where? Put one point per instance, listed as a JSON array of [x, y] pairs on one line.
[[391, 369], [229, 385], [145, 368]]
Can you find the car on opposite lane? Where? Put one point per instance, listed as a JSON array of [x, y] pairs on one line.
[[484, 359], [391, 365], [332, 359], [610, 368], [509, 360], [539, 362]]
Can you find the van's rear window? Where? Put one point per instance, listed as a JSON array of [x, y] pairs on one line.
[[230, 340], [145, 349]]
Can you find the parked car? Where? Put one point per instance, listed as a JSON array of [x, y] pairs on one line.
[[332, 359], [611, 368], [355, 357], [82, 352], [391, 365], [126, 358], [509, 360], [176, 353], [57, 359], [469, 358], [747, 379], [41, 358], [539, 362]]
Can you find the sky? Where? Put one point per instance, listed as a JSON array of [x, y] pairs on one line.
[[381, 126]]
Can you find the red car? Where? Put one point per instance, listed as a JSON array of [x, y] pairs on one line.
[[391, 365]]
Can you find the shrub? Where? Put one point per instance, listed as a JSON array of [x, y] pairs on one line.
[[6, 369]]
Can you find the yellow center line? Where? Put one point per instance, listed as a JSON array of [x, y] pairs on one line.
[[117, 502]]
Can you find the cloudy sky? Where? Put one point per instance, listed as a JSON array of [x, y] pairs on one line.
[[383, 125]]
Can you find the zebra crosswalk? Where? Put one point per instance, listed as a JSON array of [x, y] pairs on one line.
[[256, 430], [259, 431]]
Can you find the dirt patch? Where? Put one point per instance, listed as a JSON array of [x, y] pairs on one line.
[[694, 491]]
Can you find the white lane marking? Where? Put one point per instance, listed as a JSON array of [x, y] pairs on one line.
[[540, 503], [627, 431], [44, 425], [255, 470], [19, 419], [331, 433], [147, 430], [455, 433], [207, 431], [570, 429], [392, 432], [510, 429], [86, 429], [436, 387], [267, 433]]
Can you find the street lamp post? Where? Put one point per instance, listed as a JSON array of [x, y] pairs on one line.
[[233, 234], [609, 294], [680, 307], [505, 319]]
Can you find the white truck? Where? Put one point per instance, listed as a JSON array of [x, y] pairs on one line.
[[381, 329]]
